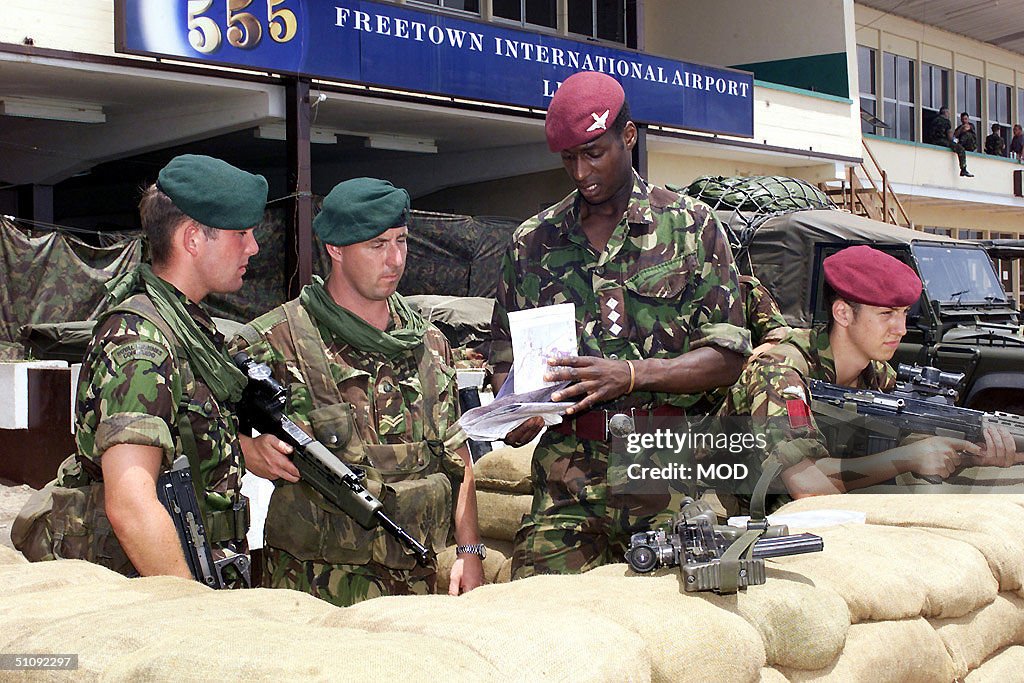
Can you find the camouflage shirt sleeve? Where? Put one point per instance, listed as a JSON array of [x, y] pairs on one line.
[[764, 319], [447, 405], [129, 390], [717, 318], [771, 390]]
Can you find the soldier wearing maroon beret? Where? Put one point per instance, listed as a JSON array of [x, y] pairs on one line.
[[868, 294], [659, 322]]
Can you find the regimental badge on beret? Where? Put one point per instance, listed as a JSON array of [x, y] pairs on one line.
[[583, 109], [213, 192], [360, 209], [865, 275]]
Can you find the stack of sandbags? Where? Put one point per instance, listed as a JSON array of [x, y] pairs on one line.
[[503, 494], [938, 574]]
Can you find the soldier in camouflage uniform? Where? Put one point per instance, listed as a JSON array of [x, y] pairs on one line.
[[156, 381], [764, 319], [869, 293], [659, 322], [375, 383]]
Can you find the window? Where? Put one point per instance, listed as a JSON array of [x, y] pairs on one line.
[[867, 79], [999, 103], [946, 232], [898, 86], [612, 20], [1020, 110], [462, 5], [934, 94], [968, 99], [536, 12]]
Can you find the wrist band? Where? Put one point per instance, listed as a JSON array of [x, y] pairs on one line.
[[632, 377]]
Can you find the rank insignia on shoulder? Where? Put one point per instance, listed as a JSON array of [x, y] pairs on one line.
[[139, 350]]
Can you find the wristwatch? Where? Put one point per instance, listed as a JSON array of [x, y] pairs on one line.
[[474, 549]]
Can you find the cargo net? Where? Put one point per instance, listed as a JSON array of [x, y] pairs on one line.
[[759, 194], [753, 200]]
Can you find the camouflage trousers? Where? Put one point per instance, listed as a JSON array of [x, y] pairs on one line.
[[581, 517], [343, 584]]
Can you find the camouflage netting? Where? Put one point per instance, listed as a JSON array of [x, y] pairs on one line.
[[760, 194], [54, 277]]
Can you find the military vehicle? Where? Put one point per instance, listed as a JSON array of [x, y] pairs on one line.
[[782, 228], [964, 321]]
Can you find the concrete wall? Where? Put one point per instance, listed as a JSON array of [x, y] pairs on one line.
[[926, 44], [769, 37], [74, 25]]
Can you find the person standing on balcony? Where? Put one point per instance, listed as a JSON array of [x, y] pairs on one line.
[[1017, 143], [994, 143]]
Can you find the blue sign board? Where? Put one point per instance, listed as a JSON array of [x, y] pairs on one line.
[[397, 47]]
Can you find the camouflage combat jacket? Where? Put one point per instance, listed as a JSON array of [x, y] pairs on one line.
[[764, 319], [782, 373], [395, 419], [665, 284], [137, 387]]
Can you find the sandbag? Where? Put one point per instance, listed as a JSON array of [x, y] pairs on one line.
[[505, 469], [994, 524], [801, 626], [1001, 667], [687, 637], [498, 552], [523, 639], [11, 556], [501, 514], [907, 651], [894, 573], [970, 640]]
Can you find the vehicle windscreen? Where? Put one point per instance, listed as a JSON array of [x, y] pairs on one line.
[[958, 275]]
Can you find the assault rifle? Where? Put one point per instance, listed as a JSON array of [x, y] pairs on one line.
[[907, 413], [263, 403], [175, 490], [712, 557]]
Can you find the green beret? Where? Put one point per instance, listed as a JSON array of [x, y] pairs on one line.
[[360, 209], [213, 192]]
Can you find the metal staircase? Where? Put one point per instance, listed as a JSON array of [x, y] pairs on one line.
[[866, 192]]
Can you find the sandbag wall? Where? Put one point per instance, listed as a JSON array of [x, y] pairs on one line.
[[503, 496], [929, 589]]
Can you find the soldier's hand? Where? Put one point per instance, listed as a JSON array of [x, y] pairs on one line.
[[999, 449], [267, 456], [938, 456], [597, 380], [467, 574], [525, 433]]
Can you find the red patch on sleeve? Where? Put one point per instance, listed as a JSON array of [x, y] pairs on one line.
[[799, 413]]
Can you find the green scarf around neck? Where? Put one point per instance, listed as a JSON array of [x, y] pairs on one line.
[[353, 330], [208, 360]]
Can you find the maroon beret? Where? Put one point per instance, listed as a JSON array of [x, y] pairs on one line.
[[583, 109], [869, 276]]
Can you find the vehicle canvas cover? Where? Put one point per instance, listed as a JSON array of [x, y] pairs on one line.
[[780, 251]]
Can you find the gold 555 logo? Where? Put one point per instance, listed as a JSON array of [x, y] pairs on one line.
[[243, 24]]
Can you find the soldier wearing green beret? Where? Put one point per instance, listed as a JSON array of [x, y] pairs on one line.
[[157, 382], [375, 383]]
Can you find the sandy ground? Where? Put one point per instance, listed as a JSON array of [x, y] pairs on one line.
[[12, 497]]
